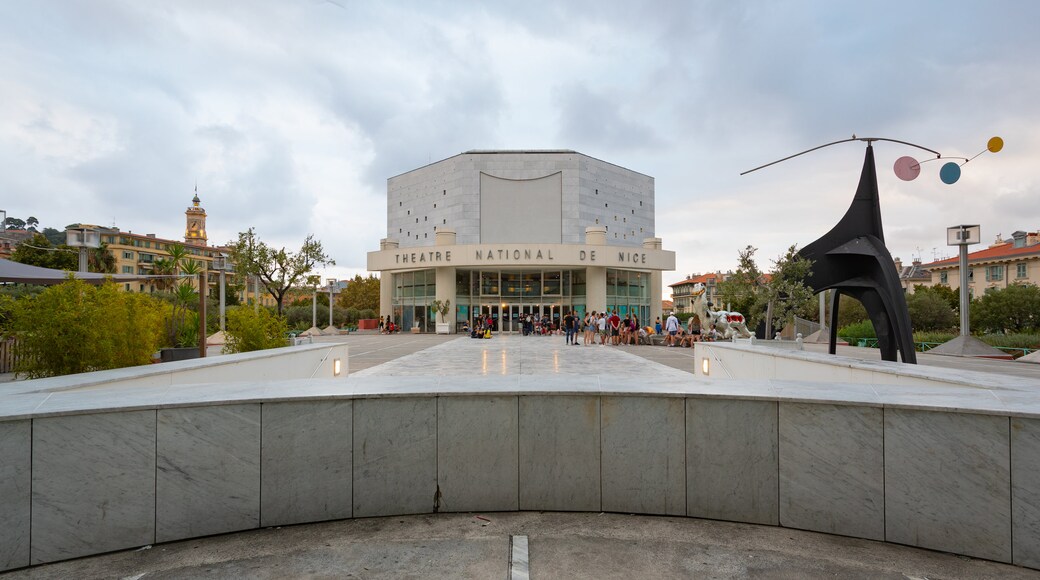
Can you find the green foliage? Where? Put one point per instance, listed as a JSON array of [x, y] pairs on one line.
[[250, 329], [862, 329], [930, 311], [74, 327], [1007, 310], [949, 295], [850, 311], [277, 270], [442, 308], [38, 251], [786, 289], [742, 289], [361, 293], [182, 325]]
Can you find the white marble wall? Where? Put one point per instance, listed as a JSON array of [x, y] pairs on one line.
[[560, 453], [644, 455], [947, 482], [1025, 490], [306, 462], [477, 453], [395, 456], [832, 469], [15, 486], [731, 459], [208, 471], [93, 481]]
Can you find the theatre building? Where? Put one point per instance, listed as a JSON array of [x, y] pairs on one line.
[[505, 234]]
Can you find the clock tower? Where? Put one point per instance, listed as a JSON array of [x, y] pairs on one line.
[[195, 229]]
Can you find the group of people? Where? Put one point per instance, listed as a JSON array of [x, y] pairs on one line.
[[678, 335], [608, 326], [387, 326]]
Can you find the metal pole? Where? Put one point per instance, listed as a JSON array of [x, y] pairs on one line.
[[222, 300], [256, 294], [823, 309], [330, 303], [314, 308], [83, 259], [203, 285], [965, 331]]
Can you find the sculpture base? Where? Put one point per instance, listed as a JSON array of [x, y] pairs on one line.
[[971, 347]]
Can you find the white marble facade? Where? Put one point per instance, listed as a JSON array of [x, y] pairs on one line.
[[15, 485]]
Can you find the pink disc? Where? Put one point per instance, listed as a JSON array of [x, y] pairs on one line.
[[907, 168]]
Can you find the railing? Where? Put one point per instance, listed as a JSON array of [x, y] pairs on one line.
[[870, 342]]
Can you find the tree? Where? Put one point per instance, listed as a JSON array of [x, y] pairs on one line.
[[360, 293], [740, 291], [929, 311], [949, 295], [73, 327], [31, 223], [14, 223], [277, 270], [38, 251], [251, 329], [850, 311], [101, 260], [1007, 310], [56, 237], [786, 288]]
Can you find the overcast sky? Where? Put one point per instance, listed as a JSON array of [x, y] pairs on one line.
[[292, 114]]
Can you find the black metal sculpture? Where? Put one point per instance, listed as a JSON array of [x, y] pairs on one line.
[[852, 259]]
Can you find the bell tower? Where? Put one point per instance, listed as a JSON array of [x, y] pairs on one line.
[[195, 227]]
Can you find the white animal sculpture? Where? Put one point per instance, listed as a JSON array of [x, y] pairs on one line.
[[727, 324]]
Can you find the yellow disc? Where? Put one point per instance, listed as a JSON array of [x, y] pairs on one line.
[[995, 144]]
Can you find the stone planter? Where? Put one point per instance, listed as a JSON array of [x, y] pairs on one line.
[[443, 327], [172, 354]]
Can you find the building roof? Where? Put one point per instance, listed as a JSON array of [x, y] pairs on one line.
[[1001, 252], [520, 152], [703, 279], [19, 273]]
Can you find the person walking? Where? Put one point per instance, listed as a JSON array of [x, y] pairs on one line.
[[671, 325]]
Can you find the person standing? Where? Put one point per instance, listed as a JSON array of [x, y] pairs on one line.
[[601, 324], [614, 325], [568, 327], [671, 325], [657, 326]]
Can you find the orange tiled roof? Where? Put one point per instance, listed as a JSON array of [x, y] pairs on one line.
[[703, 279], [995, 253]]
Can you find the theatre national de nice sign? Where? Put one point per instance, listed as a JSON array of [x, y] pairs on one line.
[[521, 255]]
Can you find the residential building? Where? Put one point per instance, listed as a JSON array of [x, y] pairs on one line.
[[682, 299], [1005, 262], [912, 275]]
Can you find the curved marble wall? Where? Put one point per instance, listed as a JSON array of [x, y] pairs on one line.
[[79, 483]]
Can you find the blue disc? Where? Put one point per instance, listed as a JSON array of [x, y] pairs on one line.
[[950, 173]]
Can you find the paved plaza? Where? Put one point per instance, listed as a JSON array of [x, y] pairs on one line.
[[559, 545]]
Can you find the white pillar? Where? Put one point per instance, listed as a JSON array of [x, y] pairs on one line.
[[596, 276], [445, 278], [656, 283], [386, 283]]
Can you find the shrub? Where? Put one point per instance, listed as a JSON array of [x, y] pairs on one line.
[[862, 329], [73, 327], [249, 329]]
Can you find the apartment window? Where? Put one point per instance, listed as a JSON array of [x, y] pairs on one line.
[[944, 277], [995, 273], [1020, 271], [128, 255], [128, 269]]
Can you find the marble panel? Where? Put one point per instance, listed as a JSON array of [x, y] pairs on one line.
[[1025, 491], [560, 453], [832, 469], [477, 453], [395, 456], [731, 460], [15, 485], [948, 482], [644, 455], [93, 484], [208, 471], [305, 458]]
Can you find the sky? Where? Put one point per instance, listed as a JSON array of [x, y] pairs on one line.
[[290, 115]]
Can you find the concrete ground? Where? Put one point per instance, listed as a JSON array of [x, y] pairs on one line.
[[560, 545]]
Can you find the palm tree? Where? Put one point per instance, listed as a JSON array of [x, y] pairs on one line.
[[101, 260]]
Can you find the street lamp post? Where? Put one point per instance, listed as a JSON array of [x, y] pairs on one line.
[[84, 239], [963, 236], [332, 291], [222, 264]]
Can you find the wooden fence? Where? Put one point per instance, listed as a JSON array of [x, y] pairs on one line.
[[8, 355]]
